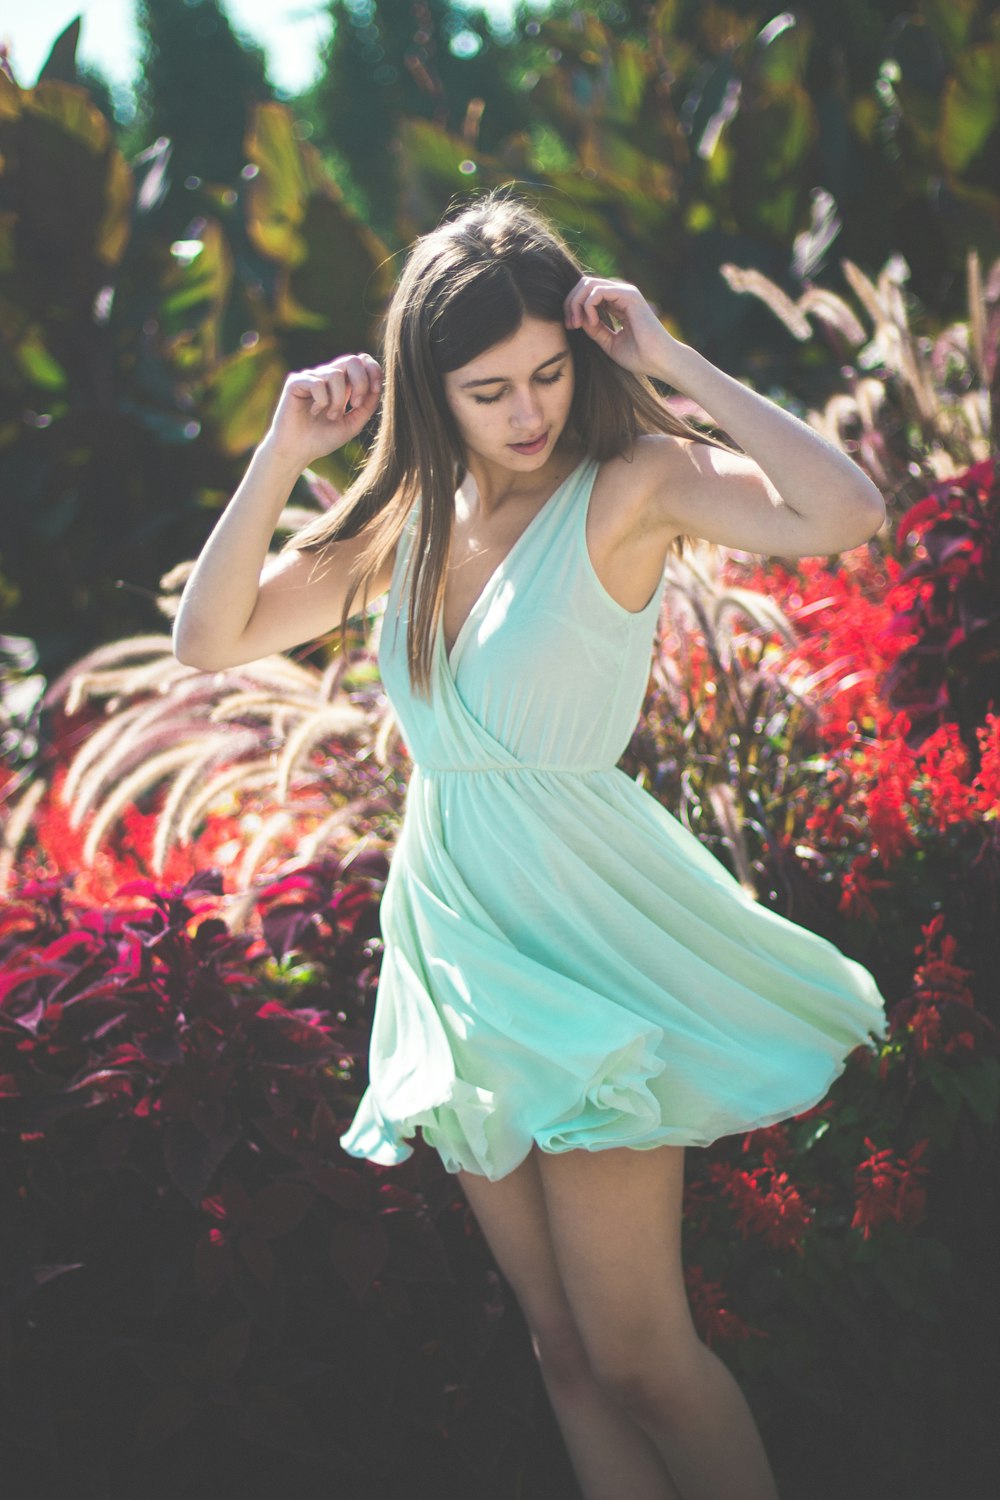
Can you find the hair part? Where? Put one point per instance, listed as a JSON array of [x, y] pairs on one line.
[[465, 287]]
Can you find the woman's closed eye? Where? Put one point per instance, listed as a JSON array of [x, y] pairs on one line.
[[488, 400]]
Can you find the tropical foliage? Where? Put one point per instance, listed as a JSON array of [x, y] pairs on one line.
[[194, 1277], [140, 365], [150, 307], [672, 137]]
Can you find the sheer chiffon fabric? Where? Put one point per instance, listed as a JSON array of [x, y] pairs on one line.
[[564, 962]]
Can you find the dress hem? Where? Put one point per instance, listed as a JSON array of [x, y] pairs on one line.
[[388, 1146]]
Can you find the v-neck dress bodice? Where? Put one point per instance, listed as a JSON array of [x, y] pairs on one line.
[[564, 962]]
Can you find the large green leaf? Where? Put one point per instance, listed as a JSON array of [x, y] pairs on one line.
[[979, 1084], [198, 281], [286, 176], [38, 365], [71, 107], [782, 49], [631, 70], [628, 170], [297, 216], [61, 61], [241, 394], [115, 226], [69, 191], [342, 252], [971, 106], [951, 21]]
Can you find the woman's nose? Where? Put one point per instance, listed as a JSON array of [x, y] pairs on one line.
[[527, 409]]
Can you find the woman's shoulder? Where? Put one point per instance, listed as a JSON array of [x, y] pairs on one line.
[[625, 481]]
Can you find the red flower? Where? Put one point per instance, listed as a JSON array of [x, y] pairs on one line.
[[857, 888], [925, 1028], [827, 822], [929, 1014], [987, 780], [848, 641], [886, 1187], [890, 829], [772, 1141], [950, 602], [767, 1204], [713, 1321], [945, 772], [885, 770], [939, 977]]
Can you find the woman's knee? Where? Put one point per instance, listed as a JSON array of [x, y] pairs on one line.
[[559, 1348], [513, 1218], [648, 1371]]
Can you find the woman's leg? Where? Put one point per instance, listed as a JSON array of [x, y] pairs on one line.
[[611, 1455], [615, 1220]]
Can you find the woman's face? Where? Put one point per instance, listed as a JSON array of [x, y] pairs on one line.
[[517, 390]]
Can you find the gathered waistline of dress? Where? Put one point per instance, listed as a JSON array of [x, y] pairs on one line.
[[434, 770]]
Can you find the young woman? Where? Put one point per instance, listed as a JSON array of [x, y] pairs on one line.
[[572, 988]]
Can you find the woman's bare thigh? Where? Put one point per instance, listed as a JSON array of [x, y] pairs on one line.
[[512, 1216], [614, 1218]]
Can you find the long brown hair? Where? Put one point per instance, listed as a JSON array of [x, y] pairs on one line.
[[465, 287]]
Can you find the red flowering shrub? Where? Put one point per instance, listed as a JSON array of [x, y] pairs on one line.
[[887, 1186], [766, 1204], [58, 848], [949, 597], [878, 826], [716, 1322], [859, 1213]]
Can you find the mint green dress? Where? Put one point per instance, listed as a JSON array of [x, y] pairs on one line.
[[564, 962]]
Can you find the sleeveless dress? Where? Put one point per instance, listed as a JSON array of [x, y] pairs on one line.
[[564, 962]]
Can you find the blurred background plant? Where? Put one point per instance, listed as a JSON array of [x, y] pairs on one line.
[[160, 278], [192, 862], [146, 341]]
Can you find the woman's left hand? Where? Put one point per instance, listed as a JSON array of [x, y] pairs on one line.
[[641, 344]]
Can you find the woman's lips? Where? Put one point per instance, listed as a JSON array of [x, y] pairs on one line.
[[534, 447]]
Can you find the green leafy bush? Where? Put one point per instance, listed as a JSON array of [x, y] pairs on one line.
[[138, 367]]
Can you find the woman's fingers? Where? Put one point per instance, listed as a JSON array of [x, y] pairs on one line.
[[318, 390], [365, 386], [353, 380], [571, 305], [591, 293], [373, 371], [325, 406], [331, 395], [581, 304], [355, 376]]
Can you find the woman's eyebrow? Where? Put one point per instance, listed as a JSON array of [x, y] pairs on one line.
[[496, 379]]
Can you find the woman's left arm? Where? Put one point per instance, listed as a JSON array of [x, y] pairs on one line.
[[790, 494]]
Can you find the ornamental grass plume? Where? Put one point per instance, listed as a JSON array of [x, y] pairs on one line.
[[736, 704], [161, 769], [918, 408], [311, 755]]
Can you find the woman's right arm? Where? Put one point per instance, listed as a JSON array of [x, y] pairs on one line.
[[234, 609]]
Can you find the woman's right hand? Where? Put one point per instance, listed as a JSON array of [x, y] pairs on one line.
[[311, 418]]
